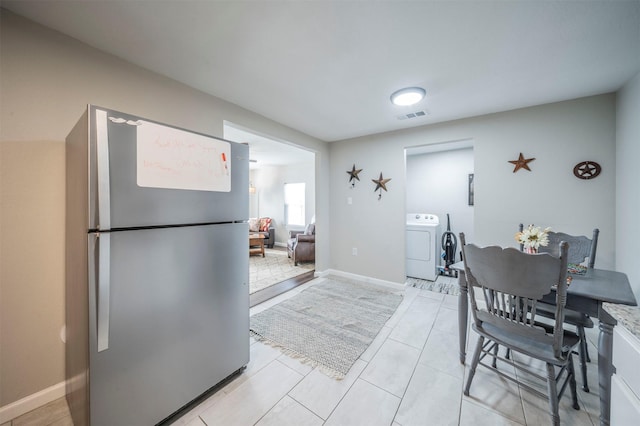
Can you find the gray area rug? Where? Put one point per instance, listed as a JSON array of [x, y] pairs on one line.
[[328, 325], [273, 268], [446, 285]]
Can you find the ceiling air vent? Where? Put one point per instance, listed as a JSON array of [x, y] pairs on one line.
[[413, 115]]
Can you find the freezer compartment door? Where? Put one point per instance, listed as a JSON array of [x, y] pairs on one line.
[[178, 319], [143, 173]]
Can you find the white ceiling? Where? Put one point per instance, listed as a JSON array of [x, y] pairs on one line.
[[266, 151], [327, 68]]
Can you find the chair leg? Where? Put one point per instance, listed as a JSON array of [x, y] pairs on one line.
[[494, 364], [553, 394], [586, 345], [474, 364], [572, 383], [583, 357]]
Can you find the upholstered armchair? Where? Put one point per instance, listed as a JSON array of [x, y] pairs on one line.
[[301, 245]]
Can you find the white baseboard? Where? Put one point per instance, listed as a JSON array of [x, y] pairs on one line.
[[359, 278], [31, 402]]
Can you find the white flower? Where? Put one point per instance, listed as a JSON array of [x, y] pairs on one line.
[[533, 237]]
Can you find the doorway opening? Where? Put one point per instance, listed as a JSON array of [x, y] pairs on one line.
[[275, 166], [439, 205]]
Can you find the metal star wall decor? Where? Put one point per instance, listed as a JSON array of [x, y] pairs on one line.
[[521, 163], [381, 184], [353, 175], [587, 170]]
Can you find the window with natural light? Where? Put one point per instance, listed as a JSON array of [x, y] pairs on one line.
[[294, 204]]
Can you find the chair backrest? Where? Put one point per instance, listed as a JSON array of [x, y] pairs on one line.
[[580, 247], [512, 282]]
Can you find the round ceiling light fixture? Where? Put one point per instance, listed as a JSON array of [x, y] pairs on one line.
[[408, 96]]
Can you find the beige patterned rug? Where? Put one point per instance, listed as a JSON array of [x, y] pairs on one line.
[[273, 268], [328, 325]]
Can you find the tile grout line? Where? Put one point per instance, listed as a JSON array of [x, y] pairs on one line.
[[367, 364], [418, 362], [286, 394]]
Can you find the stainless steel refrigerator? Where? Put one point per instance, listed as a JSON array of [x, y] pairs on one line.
[[157, 300]]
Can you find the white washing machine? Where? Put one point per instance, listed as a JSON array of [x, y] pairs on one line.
[[423, 245]]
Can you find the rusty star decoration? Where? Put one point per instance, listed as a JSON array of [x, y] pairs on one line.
[[353, 174], [381, 184], [521, 163]]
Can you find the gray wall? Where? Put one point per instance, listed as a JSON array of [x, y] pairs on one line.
[[627, 187], [558, 135], [437, 183], [47, 79]]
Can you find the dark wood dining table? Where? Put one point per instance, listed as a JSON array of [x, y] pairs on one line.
[[586, 294]]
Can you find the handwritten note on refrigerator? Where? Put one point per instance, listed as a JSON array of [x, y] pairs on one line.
[[176, 159]]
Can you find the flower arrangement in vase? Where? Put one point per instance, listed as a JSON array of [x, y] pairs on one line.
[[532, 237]]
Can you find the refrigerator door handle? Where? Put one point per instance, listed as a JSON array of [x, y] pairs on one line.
[[102, 159], [103, 289]]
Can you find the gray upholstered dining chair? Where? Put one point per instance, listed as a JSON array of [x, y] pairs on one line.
[[581, 248], [511, 283]]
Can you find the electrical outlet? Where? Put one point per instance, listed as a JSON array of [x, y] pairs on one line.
[[354, 251]]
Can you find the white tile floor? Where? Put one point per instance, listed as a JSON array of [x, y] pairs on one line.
[[410, 375]]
